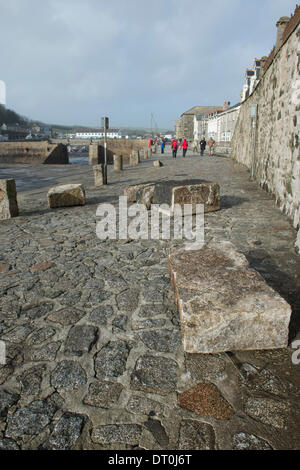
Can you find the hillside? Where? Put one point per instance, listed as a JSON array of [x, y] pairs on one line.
[[10, 117]]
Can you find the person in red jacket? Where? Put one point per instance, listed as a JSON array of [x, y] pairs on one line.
[[174, 146], [184, 147]]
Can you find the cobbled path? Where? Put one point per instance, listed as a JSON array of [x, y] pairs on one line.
[[92, 334]]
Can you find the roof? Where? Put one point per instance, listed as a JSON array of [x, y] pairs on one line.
[[203, 110]]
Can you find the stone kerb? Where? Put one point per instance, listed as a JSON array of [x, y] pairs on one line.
[[66, 195], [98, 174], [118, 163], [134, 158], [224, 305], [8, 199]]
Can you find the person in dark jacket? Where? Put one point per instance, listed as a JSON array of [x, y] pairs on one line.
[[162, 146], [202, 145]]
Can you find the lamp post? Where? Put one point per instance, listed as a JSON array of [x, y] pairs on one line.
[[105, 125]]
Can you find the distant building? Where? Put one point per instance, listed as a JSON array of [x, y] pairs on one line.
[[252, 78], [218, 125], [185, 125], [110, 134]]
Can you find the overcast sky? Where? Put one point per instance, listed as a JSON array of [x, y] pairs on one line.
[[73, 61]]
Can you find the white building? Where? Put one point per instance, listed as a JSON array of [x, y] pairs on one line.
[[219, 125], [110, 134], [252, 77]]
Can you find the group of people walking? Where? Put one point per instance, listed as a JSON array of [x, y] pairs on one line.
[[176, 144], [210, 144]]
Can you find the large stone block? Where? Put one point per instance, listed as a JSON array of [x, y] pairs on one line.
[[66, 195], [8, 199], [134, 158], [225, 305], [207, 193], [98, 174], [192, 192], [132, 191]]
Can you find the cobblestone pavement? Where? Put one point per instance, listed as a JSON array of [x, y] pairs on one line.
[[94, 355]]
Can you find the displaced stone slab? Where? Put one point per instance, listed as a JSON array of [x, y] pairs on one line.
[[66, 195], [145, 196], [206, 193], [157, 164], [131, 191], [8, 199], [225, 305], [183, 192], [205, 399]]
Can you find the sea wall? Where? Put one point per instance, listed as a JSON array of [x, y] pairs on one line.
[[114, 147], [33, 153], [271, 148]]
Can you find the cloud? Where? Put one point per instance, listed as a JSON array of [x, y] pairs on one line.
[[69, 61]]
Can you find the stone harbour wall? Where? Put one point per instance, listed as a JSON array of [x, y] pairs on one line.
[[115, 147], [276, 162], [33, 153], [223, 147]]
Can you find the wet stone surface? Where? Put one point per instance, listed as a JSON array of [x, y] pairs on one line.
[[94, 356]]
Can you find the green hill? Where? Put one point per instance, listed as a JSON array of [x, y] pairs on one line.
[[10, 117]]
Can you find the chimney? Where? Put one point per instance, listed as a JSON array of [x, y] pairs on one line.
[[263, 61], [281, 24]]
